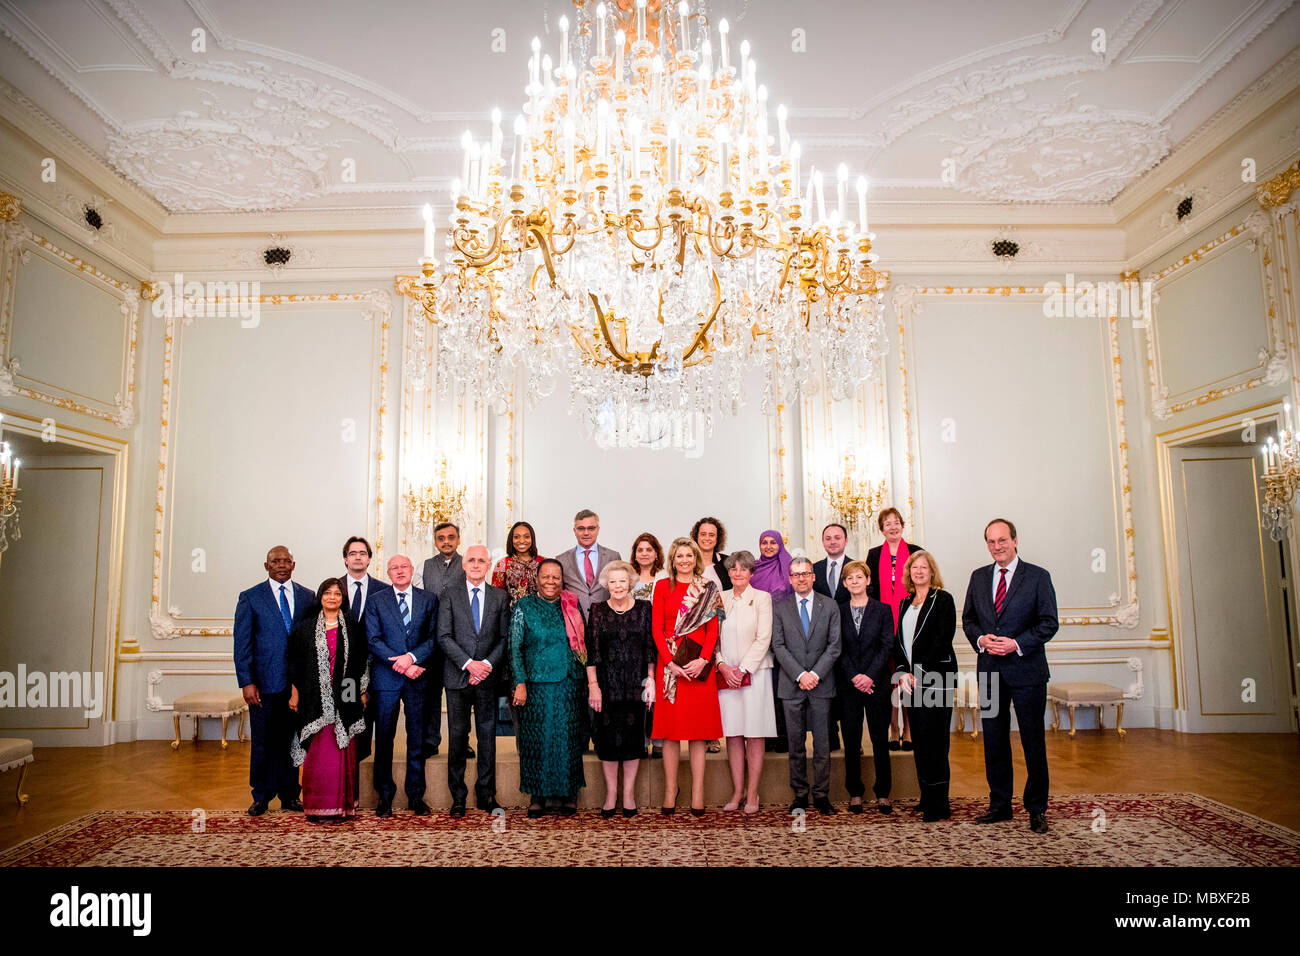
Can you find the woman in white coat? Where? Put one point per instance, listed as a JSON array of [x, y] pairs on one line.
[[744, 681]]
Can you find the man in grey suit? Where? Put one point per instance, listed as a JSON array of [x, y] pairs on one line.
[[582, 565], [473, 626], [806, 644], [439, 571]]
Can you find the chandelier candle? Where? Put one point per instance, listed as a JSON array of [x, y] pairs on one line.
[[651, 248]]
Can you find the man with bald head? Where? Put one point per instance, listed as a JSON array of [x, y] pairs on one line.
[[473, 627], [264, 616], [400, 627]]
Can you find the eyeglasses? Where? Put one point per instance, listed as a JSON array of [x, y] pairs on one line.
[[801, 574]]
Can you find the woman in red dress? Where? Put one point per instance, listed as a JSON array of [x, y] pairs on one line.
[[685, 605]]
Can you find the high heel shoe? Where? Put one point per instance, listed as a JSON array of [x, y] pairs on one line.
[[606, 814], [697, 811], [669, 811], [629, 814]]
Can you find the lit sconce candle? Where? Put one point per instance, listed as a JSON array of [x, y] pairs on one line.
[[1286, 411], [706, 58], [549, 76], [2, 427], [634, 131], [724, 157], [602, 129], [570, 153], [751, 78], [17, 463], [795, 152], [744, 58], [620, 41], [821, 197], [474, 167], [683, 12], [1263, 450], [564, 43], [467, 144], [723, 29], [862, 205], [782, 132], [600, 20], [517, 160], [536, 61], [841, 190], [762, 119], [496, 133], [674, 134], [428, 231], [640, 19]]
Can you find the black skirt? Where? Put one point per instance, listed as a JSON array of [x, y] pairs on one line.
[[619, 731]]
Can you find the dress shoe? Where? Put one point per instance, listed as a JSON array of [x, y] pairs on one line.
[[457, 811], [895, 745], [384, 809], [1038, 822], [907, 745], [257, 809], [294, 806], [884, 806], [799, 803], [824, 806], [419, 807], [993, 816], [565, 810], [489, 806], [855, 807], [930, 816]]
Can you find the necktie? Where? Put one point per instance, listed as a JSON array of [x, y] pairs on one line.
[[591, 572], [834, 577], [803, 616], [356, 600], [475, 609], [1000, 598], [406, 611], [284, 610]]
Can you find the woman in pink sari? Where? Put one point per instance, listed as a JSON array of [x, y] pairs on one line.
[[329, 682], [887, 562]]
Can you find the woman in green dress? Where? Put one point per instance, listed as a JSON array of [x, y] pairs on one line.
[[547, 657]]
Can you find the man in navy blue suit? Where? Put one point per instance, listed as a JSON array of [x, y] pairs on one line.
[[360, 586], [1010, 614], [264, 616], [401, 625]]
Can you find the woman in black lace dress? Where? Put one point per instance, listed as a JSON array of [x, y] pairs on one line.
[[620, 682]]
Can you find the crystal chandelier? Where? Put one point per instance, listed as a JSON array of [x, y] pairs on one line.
[[853, 497], [647, 242], [432, 502], [1281, 478]]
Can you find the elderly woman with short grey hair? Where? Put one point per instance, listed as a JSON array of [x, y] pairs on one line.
[[745, 693]]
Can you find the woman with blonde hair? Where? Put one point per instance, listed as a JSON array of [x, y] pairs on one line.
[[685, 626]]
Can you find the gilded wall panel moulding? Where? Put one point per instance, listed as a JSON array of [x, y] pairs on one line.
[[10, 207], [1276, 191]]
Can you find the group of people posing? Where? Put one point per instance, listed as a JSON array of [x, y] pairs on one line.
[[758, 649]]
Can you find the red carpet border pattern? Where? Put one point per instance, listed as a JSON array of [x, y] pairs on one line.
[[1151, 829]]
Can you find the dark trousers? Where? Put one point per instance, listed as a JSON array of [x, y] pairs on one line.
[[836, 719], [779, 743], [433, 703], [365, 739], [930, 736], [412, 697], [802, 714], [271, 772], [483, 701], [1030, 703], [875, 706]]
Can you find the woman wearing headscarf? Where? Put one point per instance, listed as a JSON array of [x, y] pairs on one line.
[[685, 609], [772, 574], [329, 684], [548, 656]]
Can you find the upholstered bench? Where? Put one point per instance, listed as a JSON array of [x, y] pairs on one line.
[[966, 696], [15, 753], [209, 703], [1074, 694]]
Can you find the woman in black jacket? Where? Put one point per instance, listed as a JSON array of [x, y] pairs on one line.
[[924, 659], [862, 673], [329, 684]]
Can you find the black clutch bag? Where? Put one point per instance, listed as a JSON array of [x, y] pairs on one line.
[[689, 649]]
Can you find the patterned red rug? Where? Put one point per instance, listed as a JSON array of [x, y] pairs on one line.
[[1150, 829]]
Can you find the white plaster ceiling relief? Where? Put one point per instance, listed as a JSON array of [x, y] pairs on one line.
[[266, 157], [1013, 150], [255, 258]]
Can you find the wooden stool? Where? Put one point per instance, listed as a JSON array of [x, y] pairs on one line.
[[209, 703], [966, 696], [1074, 694], [16, 752]]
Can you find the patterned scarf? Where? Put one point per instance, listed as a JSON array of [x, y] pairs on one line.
[[573, 625], [699, 606]]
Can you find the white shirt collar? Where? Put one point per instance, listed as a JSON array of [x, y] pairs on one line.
[[407, 591], [1011, 568], [482, 590], [580, 550], [276, 585]]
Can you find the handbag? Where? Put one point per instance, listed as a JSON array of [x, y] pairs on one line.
[[689, 649], [745, 681]]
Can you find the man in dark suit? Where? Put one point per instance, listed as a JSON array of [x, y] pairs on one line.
[[1010, 614], [442, 569], [264, 616], [806, 644], [473, 627], [828, 579], [359, 586], [400, 626]]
